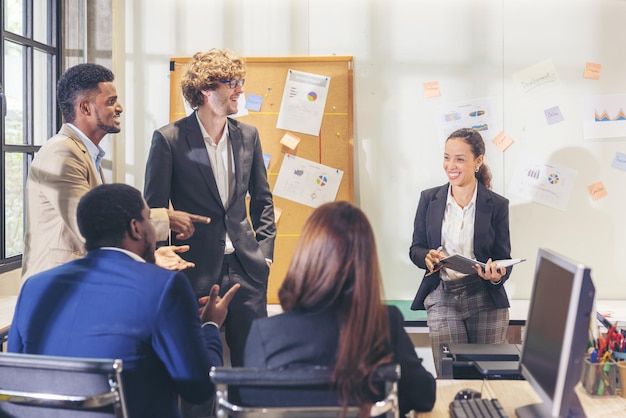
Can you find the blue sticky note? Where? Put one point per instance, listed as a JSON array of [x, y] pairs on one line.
[[253, 102], [619, 161], [266, 160], [553, 115]]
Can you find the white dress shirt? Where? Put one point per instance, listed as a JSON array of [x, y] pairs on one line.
[[457, 232]]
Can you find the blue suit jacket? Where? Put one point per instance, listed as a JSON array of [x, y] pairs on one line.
[[296, 338], [491, 237], [179, 170], [109, 305]]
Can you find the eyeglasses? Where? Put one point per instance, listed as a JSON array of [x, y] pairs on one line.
[[234, 83]]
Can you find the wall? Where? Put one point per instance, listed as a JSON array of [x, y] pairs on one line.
[[472, 48], [10, 283]]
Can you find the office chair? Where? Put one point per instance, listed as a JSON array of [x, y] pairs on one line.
[[60, 387], [298, 392]]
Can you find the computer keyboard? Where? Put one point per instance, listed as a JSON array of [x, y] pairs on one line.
[[477, 408]]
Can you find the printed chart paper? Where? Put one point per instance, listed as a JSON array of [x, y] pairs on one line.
[[604, 116], [543, 182], [307, 182], [477, 114], [304, 99]]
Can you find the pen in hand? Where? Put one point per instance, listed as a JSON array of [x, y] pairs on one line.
[[436, 266]]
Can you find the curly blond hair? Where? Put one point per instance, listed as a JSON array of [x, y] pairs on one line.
[[206, 69]]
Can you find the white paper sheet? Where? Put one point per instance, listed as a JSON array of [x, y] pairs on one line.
[[307, 182], [304, 99]]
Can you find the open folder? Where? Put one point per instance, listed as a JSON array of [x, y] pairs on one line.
[[464, 265]]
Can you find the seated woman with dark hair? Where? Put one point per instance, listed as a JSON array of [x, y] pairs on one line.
[[334, 314]]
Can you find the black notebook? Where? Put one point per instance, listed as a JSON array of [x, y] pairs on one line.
[[464, 265]]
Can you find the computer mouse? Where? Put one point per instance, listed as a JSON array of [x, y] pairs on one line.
[[467, 394]]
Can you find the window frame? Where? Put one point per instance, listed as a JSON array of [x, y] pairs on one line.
[[52, 120]]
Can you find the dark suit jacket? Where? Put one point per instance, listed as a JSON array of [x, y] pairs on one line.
[[110, 306], [178, 170], [491, 237], [297, 339]]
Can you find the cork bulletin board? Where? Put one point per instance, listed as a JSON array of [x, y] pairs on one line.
[[333, 146]]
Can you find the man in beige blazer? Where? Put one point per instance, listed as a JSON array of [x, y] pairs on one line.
[[68, 165]]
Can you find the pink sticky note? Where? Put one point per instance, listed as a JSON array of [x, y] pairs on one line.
[[431, 89], [502, 141]]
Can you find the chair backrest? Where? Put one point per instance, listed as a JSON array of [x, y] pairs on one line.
[[297, 392], [64, 387]]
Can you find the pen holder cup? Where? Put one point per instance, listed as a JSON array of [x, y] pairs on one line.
[[618, 356], [621, 372], [599, 379]]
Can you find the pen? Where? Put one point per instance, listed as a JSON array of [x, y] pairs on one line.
[[439, 249], [436, 266]]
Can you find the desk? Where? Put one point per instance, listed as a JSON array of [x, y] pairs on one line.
[[415, 321], [7, 307], [613, 310], [517, 313], [515, 393]]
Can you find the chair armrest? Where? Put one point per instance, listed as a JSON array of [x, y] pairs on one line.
[[245, 376], [59, 401], [315, 375]]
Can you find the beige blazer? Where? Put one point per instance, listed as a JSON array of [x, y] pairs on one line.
[[60, 174]]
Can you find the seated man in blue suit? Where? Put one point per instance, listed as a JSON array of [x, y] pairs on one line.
[[115, 303]]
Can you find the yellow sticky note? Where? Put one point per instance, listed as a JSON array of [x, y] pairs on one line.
[[277, 212], [592, 70], [290, 141], [597, 191], [431, 89], [502, 141]]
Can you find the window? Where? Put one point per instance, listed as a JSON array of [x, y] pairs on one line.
[[30, 51]]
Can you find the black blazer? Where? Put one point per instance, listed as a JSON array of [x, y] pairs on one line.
[[491, 237], [179, 169], [297, 339]]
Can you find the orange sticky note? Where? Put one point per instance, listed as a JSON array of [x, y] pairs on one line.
[[597, 191], [290, 141], [502, 141], [592, 70], [431, 89]]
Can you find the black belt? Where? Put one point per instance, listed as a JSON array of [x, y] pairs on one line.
[[464, 282]]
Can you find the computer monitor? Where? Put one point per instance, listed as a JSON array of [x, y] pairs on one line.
[[557, 331]]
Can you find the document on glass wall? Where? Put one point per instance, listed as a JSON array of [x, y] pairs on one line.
[[544, 182]]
